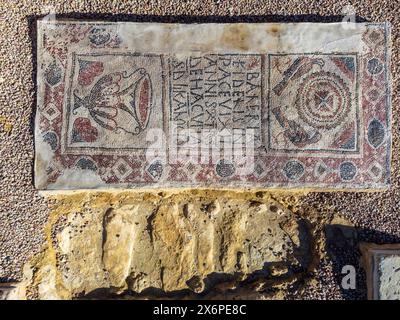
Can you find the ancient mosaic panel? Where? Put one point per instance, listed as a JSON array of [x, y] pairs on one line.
[[111, 101], [321, 93], [230, 105]]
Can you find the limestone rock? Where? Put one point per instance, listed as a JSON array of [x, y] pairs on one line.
[[8, 290], [389, 266], [133, 242], [382, 264]]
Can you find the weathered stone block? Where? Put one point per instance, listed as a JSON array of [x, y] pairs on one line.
[[226, 105], [382, 265], [123, 243]]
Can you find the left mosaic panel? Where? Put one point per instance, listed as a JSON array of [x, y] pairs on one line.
[[111, 100]]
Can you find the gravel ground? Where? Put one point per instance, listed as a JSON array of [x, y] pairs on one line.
[[23, 213]]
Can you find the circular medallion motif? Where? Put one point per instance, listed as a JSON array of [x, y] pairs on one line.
[[52, 139], [225, 168], [323, 100], [374, 66], [293, 169], [347, 171], [99, 36]]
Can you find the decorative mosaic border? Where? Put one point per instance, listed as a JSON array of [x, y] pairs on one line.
[[370, 171]]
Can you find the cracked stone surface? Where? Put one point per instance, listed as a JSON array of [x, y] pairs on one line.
[[147, 105], [137, 242]]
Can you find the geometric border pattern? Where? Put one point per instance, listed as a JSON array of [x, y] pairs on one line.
[[369, 170]]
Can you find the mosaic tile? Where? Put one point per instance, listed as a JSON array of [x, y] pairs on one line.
[[147, 105]]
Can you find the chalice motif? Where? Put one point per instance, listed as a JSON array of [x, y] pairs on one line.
[[119, 101]]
